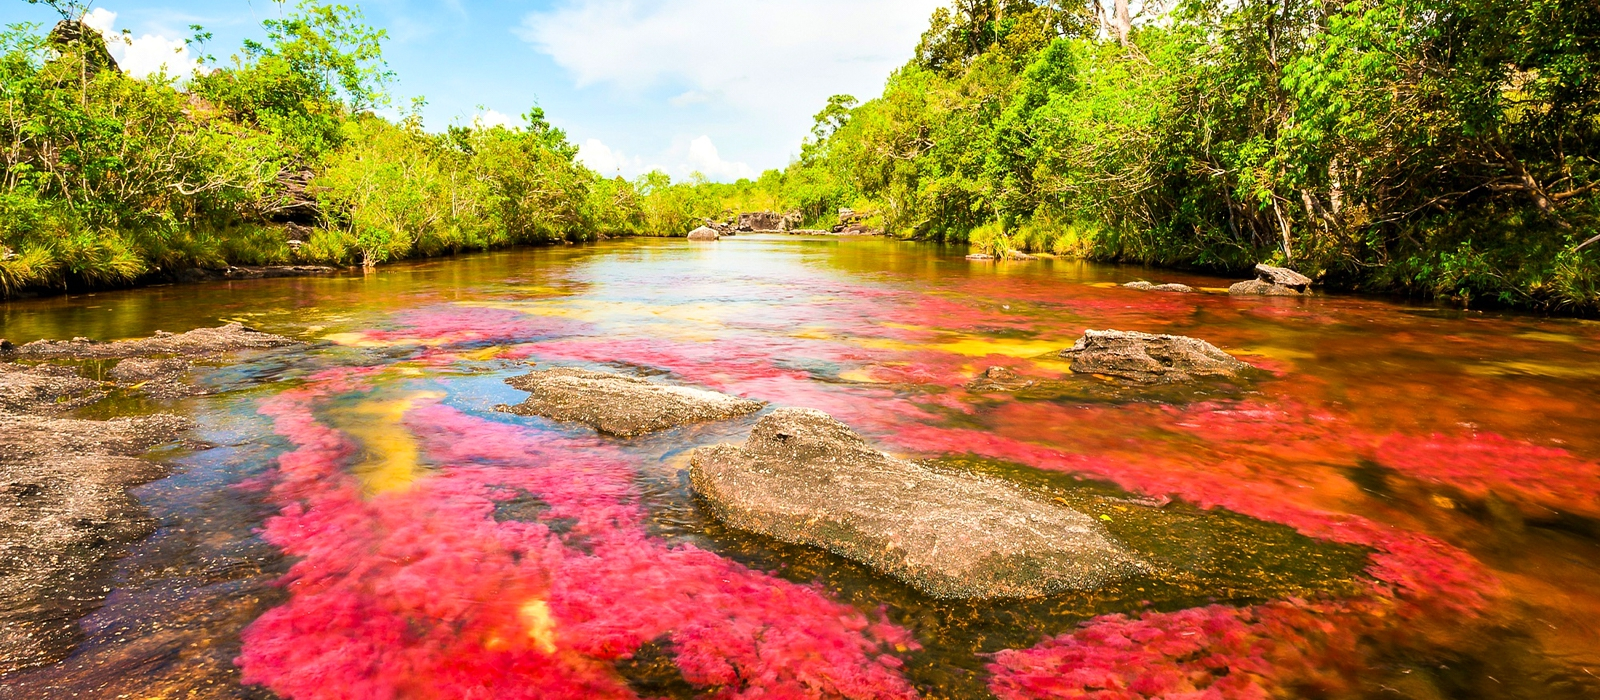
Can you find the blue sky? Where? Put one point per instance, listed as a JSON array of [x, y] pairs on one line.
[[723, 87]]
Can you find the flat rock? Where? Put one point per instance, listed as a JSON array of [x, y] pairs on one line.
[[1149, 358], [617, 404], [704, 233], [44, 389], [161, 378], [1283, 277], [803, 477], [1261, 288], [1151, 287], [64, 513], [198, 342]]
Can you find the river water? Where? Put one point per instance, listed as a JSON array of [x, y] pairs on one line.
[[1406, 503]]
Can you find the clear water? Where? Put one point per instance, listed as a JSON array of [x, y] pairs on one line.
[[1405, 505]]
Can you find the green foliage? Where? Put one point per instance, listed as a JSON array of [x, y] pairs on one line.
[[1435, 147]]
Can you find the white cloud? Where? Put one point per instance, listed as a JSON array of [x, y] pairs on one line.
[[489, 119], [144, 56], [773, 62], [608, 162], [703, 157]]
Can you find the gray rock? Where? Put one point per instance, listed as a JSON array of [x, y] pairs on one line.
[[1261, 288], [1169, 287], [704, 233], [803, 477], [160, 378], [44, 389], [1148, 358], [64, 513], [621, 405], [997, 379], [1283, 277], [198, 342]]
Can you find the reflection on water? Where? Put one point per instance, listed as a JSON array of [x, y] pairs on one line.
[[1405, 503]]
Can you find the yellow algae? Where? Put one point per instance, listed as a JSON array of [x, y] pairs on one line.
[[977, 346], [484, 354], [1551, 337], [1543, 369], [541, 628], [861, 375], [389, 453], [812, 334], [1279, 353]]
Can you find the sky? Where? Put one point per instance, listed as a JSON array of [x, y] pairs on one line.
[[726, 88]]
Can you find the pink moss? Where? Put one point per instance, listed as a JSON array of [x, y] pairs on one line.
[[421, 593]]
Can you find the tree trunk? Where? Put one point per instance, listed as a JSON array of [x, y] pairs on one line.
[[1122, 23]]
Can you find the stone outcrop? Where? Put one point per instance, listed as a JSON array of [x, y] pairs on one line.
[[1149, 358], [160, 378], [704, 233], [65, 513], [803, 477], [196, 343], [1273, 281], [621, 405], [1151, 287], [251, 272], [998, 379], [44, 389]]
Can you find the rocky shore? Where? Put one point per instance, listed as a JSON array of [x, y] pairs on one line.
[[65, 510]]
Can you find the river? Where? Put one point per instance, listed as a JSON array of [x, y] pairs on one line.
[[1405, 504]]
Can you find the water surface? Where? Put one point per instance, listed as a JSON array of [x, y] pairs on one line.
[[1404, 503]]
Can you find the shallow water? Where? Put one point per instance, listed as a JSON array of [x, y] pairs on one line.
[[1406, 503]]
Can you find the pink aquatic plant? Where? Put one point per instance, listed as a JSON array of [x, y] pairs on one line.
[[421, 592], [1482, 463]]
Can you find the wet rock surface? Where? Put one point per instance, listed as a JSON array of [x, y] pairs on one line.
[[1273, 281], [196, 343], [998, 379], [1152, 287], [804, 478], [64, 514], [1149, 358], [252, 272], [159, 378], [704, 233], [617, 404], [44, 389]]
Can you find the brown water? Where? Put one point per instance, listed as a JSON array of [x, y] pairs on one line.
[[1405, 504]]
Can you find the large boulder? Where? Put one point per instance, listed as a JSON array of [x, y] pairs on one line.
[[1283, 277], [1273, 281], [617, 404], [803, 477], [761, 221], [1149, 358], [704, 233]]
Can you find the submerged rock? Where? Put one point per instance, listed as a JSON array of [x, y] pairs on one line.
[[704, 233], [1273, 281], [621, 405], [65, 512], [160, 378], [1150, 287], [999, 379], [198, 342], [803, 477], [1149, 358]]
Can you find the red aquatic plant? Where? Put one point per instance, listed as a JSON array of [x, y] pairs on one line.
[[421, 592]]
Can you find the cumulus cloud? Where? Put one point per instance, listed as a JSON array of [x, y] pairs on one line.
[[774, 62], [489, 119], [703, 157], [610, 162], [143, 56]]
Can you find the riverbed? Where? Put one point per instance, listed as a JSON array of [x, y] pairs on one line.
[[1404, 503]]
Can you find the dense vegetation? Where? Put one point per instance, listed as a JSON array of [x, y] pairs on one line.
[[1434, 147], [273, 156], [1438, 147]]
